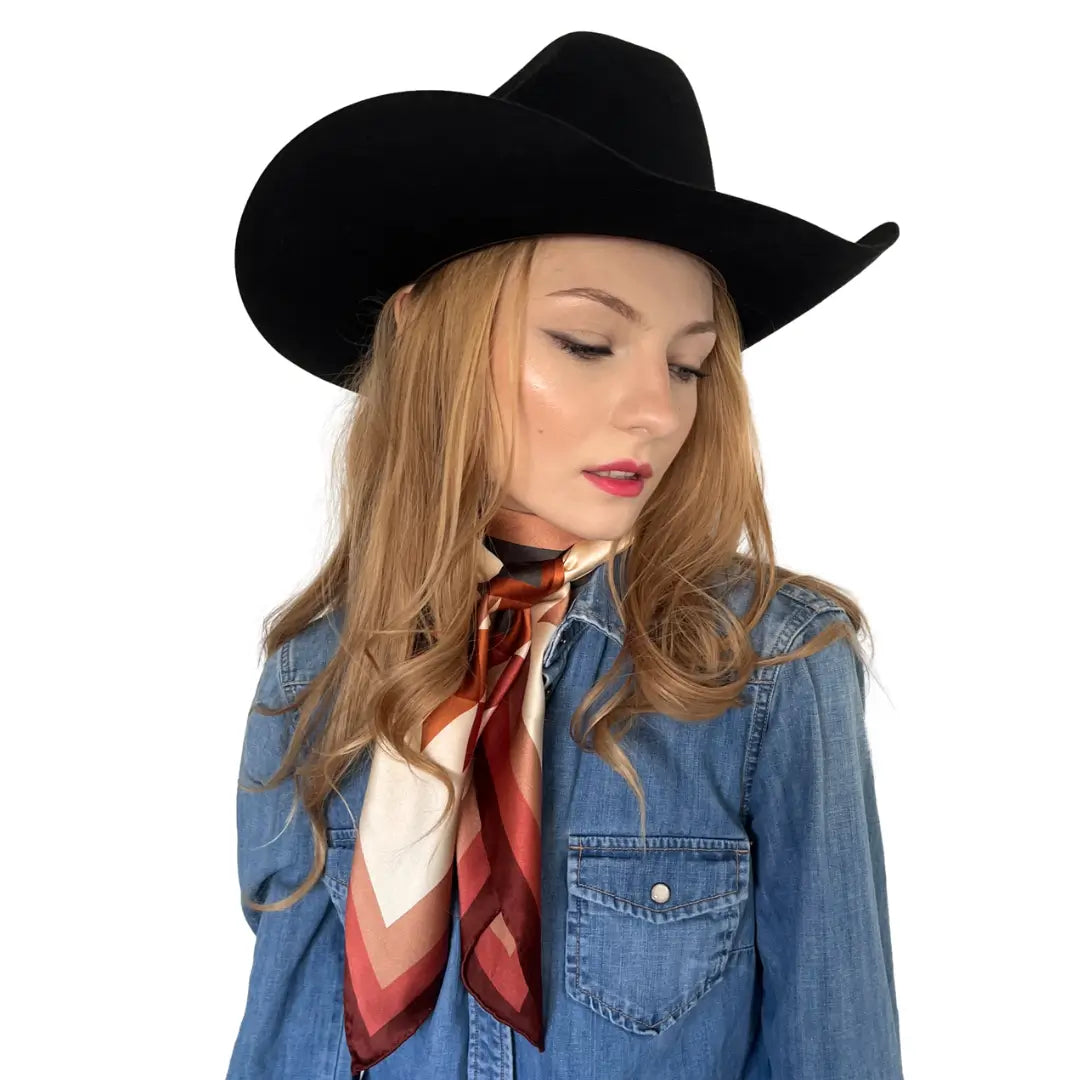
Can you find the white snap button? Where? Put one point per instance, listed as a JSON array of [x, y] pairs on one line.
[[660, 893]]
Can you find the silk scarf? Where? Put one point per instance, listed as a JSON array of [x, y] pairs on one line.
[[490, 736]]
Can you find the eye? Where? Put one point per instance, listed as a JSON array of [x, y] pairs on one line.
[[592, 352]]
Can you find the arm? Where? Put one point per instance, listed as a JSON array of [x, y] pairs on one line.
[[829, 1003], [292, 1024]]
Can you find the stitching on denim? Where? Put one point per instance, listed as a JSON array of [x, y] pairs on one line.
[[707, 985], [577, 902], [339, 833], [679, 847], [580, 848], [645, 907], [285, 673], [761, 718]]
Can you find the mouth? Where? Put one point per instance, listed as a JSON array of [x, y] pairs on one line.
[[640, 470], [626, 486]]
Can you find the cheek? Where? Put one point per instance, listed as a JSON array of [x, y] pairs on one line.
[[552, 405]]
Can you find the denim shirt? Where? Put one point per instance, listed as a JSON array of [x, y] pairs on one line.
[[764, 953]]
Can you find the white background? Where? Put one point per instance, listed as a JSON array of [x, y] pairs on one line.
[[166, 472]]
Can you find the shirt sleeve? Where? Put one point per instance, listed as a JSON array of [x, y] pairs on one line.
[[828, 1007], [292, 1026]]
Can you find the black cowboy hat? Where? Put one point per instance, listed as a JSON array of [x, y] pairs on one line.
[[594, 135]]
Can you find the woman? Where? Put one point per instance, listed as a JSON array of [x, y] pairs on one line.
[[505, 858]]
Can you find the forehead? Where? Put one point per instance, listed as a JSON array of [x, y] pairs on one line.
[[563, 260], [647, 274]]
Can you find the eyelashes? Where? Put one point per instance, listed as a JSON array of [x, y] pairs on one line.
[[594, 352]]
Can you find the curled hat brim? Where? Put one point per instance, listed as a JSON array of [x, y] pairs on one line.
[[369, 197]]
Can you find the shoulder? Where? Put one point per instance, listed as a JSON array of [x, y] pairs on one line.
[[810, 708], [286, 670], [794, 615], [299, 659]]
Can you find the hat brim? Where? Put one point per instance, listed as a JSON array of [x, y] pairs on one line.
[[372, 195]]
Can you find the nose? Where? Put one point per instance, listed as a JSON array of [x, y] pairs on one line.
[[649, 398]]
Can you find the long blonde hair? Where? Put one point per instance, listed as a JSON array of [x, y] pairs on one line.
[[423, 392]]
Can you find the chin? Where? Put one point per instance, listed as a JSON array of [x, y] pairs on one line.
[[590, 527]]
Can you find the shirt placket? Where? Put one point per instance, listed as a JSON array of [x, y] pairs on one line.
[[491, 1050]]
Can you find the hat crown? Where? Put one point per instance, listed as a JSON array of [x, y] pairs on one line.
[[635, 100]]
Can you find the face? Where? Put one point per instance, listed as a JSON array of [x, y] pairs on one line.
[[628, 393]]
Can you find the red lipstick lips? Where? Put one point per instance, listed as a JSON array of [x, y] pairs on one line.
[[641, 468]]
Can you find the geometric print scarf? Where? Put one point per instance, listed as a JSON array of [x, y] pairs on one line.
[[489, 734]]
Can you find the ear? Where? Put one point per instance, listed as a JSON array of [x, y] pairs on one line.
[[400, 305]]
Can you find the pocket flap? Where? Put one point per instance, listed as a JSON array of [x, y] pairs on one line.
[[670, 877]]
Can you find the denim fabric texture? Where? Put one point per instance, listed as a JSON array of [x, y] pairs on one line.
[[747, 940]]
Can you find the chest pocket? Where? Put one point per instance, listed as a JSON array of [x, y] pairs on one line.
[[649, 929]]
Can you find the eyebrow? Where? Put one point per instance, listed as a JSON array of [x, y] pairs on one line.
[[624, 309]]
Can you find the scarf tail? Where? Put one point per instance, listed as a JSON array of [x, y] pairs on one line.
[[500, 914], [498, 836]]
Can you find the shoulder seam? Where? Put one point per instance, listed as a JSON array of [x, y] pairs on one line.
[[761, 718], [797, 593], [800, 628]]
